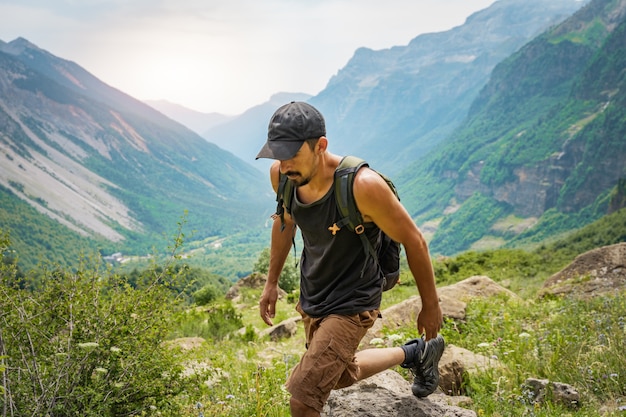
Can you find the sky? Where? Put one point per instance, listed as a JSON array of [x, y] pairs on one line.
[[222, 56]]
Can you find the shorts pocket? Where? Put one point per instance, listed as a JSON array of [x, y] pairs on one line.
[[329, 366]]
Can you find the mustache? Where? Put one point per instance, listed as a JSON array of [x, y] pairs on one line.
[[303, 181]]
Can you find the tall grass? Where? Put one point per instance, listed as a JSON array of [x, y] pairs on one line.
[[573, 341], [244, 382], [581, 342]]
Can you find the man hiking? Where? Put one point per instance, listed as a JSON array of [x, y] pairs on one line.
[[341, 284]]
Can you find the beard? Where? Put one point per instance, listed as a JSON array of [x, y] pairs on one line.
[[297, 178]]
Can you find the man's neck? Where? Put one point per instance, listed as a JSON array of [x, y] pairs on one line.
[[323, 179]]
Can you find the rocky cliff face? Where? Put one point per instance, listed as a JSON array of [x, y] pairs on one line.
[[618, 198], [545, 133], [392, 106], [536, 188]]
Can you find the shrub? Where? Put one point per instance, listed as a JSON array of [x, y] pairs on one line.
[[289, 279], [205, 295], [87, 343]]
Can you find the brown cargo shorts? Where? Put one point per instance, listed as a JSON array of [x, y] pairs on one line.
[[328, 362]]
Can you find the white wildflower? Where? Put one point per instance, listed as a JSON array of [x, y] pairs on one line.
[[377, 341], [395, 337], [88, 345]]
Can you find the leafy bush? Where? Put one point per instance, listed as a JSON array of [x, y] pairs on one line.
[[215, 322], [87, 343], [205, 295], [243, 384], [289, 279]]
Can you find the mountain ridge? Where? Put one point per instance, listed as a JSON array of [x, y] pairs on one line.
[[507, 171], [405, 100], [108, 166], [195, 120], [525, 149]]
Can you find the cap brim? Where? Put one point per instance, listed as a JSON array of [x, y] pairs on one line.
[[281, 150]]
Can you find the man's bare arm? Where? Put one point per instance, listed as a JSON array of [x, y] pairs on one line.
[[281, 241], [378, 204]]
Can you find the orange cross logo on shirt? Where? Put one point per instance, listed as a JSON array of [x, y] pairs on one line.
[[334, 229]]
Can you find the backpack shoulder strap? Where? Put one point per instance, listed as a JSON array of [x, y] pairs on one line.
[[350, 215], [284, 198], [344, 180]]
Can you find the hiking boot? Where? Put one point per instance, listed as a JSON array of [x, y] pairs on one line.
[[422, 359]]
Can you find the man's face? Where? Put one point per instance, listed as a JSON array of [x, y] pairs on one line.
[[301, 168]]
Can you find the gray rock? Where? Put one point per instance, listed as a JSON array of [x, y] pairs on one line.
[[286, 328], [388, 394], [542, 390]]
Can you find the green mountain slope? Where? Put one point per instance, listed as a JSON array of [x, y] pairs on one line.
[[393, 106], [544, 140], [108, 167]]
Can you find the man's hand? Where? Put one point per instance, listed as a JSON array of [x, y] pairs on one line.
[[429, 320], [267, 304]]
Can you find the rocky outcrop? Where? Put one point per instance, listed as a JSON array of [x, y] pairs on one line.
[[452, 299], [542, 390], [286, 328], [592, 273], [530, 191], [455, 363], [254, 281], [618, 197], [389, 394]]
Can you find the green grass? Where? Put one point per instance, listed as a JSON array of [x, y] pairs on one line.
[[578, 342], [568, 340], [242, 383]]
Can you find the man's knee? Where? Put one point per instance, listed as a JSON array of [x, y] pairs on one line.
[[300, 409]]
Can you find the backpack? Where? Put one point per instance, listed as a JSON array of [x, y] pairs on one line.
[[388, 253]]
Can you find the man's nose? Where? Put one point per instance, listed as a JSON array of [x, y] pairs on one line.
[[284, 166]]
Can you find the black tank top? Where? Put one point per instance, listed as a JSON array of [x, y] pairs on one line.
[[336, 275]]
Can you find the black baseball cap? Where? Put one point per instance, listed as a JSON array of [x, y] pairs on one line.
[[289, 127]]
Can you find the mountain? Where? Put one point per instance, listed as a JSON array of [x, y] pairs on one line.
[[508, 128], [401, 102], [107, 167], [197, 121], [543, 148], [392, 106]]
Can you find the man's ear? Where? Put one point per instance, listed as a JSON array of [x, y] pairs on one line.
[[322, 144]]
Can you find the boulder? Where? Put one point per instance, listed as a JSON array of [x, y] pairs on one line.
[[388, 394], [478, 286], [541, 390], [255, 281], [457, 361], [452, 299], [286, 328], [597, 272]]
